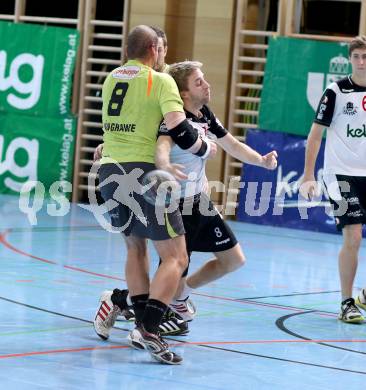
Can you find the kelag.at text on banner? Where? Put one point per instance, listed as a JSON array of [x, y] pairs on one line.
[[38, 149], [37, 129]]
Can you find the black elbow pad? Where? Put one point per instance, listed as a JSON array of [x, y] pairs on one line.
[[184, 135]]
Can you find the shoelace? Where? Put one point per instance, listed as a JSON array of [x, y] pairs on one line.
[[169, 314], [181, 307], [184, 305], [160, 340], [350, 308]]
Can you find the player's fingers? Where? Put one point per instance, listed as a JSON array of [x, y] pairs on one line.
[[304, 190], [180, 175], [311, 192], [178, 166]]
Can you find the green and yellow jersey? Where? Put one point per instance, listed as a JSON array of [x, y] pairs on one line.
[[135, 99]]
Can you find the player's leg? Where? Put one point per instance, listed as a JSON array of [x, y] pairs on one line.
[[182, 306], [162, 288], [176, 322], [174, 260], [361, 298], [166, 230], [113, 302], [224, 262], [348, 257], [346, 196], [348, 261], [137, 275], [206, 232], [137, 265]]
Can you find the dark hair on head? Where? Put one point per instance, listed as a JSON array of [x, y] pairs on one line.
[[139, 41], [357, 43], [161, 34]]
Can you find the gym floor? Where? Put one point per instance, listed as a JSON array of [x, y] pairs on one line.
[[271, 325]]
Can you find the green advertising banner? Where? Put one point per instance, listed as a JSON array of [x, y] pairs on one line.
[[35, 149], [36, 68], [37, 128], [297, 72]]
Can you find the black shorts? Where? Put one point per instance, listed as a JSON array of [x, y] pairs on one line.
[[130, 213], [206, 231], [351, 209]]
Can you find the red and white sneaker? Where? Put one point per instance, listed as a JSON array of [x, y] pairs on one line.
[[184, 308], [106, 315]]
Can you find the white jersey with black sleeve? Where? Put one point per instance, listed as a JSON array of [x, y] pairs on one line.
[[208, 128], [342, 109]]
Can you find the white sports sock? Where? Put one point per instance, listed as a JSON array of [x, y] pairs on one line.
[[185, 292], [128, 300]]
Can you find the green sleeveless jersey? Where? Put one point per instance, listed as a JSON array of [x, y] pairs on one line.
[[135, 99]]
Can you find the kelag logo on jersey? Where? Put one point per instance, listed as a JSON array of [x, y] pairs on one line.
[[356, 132], [338, 68]]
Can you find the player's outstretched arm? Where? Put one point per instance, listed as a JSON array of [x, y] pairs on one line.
[[246, 154]]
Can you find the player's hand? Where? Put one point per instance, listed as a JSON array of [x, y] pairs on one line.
[[270, 160], [308, 187], [213, 150], [176, 170], [98, 153]]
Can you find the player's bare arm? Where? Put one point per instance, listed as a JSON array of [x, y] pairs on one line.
[[308, 183], [162, 158], [246, 154]]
